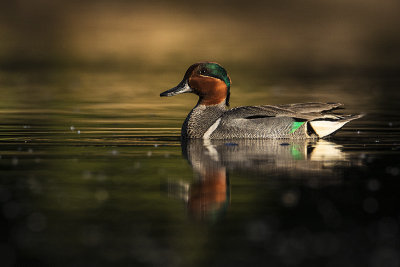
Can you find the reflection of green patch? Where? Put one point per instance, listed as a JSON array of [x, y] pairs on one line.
[[296, 125], [296, 154]]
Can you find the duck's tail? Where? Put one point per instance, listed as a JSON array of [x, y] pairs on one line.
[[331, 123]]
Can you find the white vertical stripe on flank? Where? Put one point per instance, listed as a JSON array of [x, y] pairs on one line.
[[210, 130]]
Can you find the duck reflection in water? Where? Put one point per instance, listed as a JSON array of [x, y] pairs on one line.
[[309, 162]]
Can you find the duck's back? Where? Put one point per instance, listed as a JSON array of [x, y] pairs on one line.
[[295, 121]]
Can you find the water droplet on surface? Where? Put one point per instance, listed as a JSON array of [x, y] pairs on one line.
[[34, 185], [101, 177], [14, 161], [86, 175], [257, 231], [394, 171], [290, 199], [101, 195], [92, 236], [373, 185]]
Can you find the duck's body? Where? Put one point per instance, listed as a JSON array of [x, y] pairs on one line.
[[211, 119]]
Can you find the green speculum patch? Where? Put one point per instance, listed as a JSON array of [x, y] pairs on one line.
[[296, 125]]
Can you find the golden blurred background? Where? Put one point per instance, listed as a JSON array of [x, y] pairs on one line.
[[306, 36]]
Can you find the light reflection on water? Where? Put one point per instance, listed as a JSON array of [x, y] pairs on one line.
[[94, 172]]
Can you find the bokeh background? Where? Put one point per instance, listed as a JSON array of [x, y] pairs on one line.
[[301, 37]]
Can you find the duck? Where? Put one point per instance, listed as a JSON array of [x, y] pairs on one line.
[[211, 117]]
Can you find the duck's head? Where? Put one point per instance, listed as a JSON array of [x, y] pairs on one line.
[[208, 80]]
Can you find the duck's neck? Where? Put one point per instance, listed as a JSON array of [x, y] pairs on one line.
[[200, 119]]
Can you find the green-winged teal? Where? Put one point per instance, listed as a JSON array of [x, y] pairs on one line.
[[211, 118]]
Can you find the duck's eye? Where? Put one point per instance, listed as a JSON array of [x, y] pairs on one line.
[[203, 71]]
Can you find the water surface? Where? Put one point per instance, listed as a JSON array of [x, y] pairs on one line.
[[93, 173]]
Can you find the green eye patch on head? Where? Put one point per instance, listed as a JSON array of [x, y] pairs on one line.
[[216, 71]]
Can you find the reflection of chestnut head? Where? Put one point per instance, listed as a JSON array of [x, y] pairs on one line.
[[209, 196]]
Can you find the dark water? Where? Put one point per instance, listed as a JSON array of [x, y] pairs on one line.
[[92, 173]]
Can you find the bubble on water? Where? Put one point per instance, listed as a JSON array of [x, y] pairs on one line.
[[36, 222], [34, 185], [101, 177], [358, 132], [330, 213], [373, 185], [137, 165], [92, 235], [14, 161], [86, 175], [30, 150], [155, 145], [101, 195], [257, 231], [292, 247], [394, 171], [78, 132], [370, 205], [390, 124], [72, 128], [114, 152], [149, 153], [290, 198], [26, 126]]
